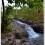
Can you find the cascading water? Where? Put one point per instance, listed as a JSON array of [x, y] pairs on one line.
[[29, 29]]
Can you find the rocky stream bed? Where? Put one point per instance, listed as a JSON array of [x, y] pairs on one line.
[[19, 36]]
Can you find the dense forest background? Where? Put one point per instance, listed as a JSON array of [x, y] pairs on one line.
[[26, 10]]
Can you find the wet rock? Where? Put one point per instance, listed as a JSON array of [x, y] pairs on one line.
[[8, 40], [38, 28], [30, 22], [19, 32], [18, 42], [25, 42], [24, 34], [4, 41], [37, 25], [18, 36]]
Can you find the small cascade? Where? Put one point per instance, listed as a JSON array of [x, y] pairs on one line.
[[29, 29]]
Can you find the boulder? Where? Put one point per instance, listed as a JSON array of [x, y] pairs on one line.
[[38, 28], [19, 31]]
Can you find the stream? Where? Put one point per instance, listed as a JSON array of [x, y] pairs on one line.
[[33, 38], [28, 29], [36, 38]]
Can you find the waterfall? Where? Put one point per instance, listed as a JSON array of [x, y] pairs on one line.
[[29, 29]]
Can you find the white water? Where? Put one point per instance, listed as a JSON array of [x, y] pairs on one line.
[[29, 30]]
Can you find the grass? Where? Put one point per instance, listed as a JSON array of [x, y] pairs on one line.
[[27, 15]]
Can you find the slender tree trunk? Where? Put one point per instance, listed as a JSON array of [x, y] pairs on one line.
[[3, 7], [2, 25]]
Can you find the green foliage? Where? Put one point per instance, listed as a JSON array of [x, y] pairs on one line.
[[38, 0], [10, 1], [7, 20], [17, 3], [30, 3], [23, 2], [8, 10], [28, 14]]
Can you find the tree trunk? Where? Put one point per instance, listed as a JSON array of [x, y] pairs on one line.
[[2, 25]]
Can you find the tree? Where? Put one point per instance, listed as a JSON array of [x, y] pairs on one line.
[[5, 20], [2, 26], [30, 3], [6, 13]]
